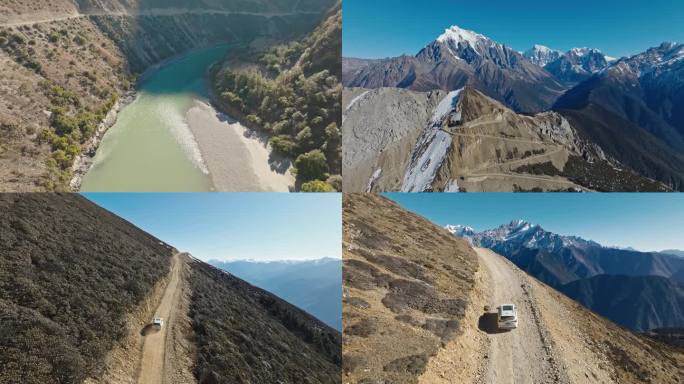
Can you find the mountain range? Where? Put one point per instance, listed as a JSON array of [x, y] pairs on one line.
[[628, 108], [639, 290], [312, 285], [571, 67]]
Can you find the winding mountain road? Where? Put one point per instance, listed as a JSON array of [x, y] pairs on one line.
[[525, 354], [154, 343], [152, 12]]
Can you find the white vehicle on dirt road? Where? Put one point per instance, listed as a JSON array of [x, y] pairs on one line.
[[158, 321], [507, 316]]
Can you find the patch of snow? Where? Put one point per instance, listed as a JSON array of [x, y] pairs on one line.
[[374, 177], [542, 48], [435, 146], [432, 147], [354, 100], [452, 186], [445, 106], [456, 35]]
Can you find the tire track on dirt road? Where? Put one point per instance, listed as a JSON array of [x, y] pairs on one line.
[[525, 354], [154, 344]]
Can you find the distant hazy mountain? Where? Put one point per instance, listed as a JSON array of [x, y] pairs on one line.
[[312, 285], [675, 252], [640, 290], [640, 303], [458, 58]]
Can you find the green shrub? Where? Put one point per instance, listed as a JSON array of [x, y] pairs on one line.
[[283, 144], [80, 40], [311, 166], [317, 186]]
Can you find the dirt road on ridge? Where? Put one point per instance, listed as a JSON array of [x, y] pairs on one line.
[[154, 343], [523, 355], [152, 12]]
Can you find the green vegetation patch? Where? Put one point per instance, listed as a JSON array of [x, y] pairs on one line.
[[293, 93]]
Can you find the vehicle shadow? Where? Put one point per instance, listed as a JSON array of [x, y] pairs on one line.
[[488, 323], [149, 329]]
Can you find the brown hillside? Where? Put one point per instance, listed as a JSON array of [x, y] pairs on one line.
[[406, 288]]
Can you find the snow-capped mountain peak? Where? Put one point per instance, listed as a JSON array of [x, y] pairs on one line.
[[460, 230], [541, 55], [541, 48], [654, 60], [456, 34]]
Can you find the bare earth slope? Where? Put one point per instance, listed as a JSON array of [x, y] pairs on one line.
[[406, 290], [379, 129], [466, 141]]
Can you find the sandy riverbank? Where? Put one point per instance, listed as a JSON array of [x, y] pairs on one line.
[[238, 159]]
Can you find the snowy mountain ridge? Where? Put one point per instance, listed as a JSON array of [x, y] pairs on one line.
[[456, 37], [519, 233], [542, 55]]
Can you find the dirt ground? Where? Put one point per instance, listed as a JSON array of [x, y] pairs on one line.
[[525, 354]]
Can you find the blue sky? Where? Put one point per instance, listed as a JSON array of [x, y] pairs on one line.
[[647, 222], [263, 226], [383, 28]]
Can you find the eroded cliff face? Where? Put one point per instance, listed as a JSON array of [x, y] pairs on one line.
[[466, 141], [82, 56]]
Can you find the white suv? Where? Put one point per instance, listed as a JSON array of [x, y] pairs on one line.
[[158, 321], [507, 316]]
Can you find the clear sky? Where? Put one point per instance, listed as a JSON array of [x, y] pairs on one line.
[[260, 226], [383, 28], [645, 221]]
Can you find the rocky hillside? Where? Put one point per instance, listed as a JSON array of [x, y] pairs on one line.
[[80, 287], [68, 63], [406, 285], [464, 140]]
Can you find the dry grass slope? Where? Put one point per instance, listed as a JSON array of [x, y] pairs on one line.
[[247, 335], [407, 284], [69, 274]]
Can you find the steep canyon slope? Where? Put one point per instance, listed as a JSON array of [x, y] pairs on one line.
[[399, 140], [67, 64]]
